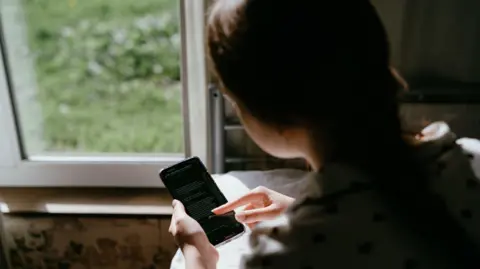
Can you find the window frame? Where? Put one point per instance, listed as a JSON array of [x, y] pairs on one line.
[[113, 170]]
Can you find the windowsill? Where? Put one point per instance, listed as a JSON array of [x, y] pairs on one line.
[[101, 201]]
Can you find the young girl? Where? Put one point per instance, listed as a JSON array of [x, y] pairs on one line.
[[311, 79]]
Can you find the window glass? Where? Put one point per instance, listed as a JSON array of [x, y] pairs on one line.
[[95, 76]]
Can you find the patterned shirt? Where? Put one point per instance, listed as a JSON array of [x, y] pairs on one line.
[[332, 227]]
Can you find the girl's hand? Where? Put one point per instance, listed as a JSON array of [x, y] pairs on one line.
[[190, 237], [260, 204]]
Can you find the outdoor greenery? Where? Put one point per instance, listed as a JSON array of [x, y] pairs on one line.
[[108, 74]]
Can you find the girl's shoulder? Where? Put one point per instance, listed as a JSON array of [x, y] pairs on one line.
[[340, 220]]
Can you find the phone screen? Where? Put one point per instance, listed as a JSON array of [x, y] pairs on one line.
[[190, 183]]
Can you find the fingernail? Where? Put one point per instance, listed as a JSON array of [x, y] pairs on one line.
[[174, 202], [240, 216]]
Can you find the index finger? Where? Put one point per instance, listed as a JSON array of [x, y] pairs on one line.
[[244, 200]]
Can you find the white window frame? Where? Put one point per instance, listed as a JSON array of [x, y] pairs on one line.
[[115, 171]]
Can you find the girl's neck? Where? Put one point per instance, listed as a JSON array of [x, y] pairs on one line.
[[353, 150]]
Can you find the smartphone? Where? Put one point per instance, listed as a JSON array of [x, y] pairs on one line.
[[190, 183]]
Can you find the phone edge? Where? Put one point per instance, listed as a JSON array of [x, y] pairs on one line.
[[160, 174], [231, 239]]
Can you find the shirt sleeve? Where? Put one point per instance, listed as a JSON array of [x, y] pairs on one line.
[[289, 241], [269, 249], [332, 233]]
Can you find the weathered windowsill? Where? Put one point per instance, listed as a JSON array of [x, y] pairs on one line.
[[101, 201]]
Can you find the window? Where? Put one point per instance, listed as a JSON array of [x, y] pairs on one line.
[[100, 92]]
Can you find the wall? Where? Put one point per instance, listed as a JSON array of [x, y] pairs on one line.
[[434, 38], [87, 242]]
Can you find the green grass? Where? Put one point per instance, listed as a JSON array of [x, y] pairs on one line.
[[133, 104]]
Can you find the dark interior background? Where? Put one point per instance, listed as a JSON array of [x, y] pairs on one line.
[[435, 45]]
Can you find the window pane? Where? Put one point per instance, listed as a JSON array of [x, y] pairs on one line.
[[95, 76]]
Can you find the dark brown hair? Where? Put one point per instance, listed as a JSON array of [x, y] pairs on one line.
[[295, 64], [325, 65]]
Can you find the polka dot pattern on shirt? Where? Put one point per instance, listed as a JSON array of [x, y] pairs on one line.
[[466, 213], [347, 224], [365, 248], [410, 264], [319, 238], [266, 262], [378, 217], [275, 231], [441, 166], [358, 185], [331, 208], [472, 183]]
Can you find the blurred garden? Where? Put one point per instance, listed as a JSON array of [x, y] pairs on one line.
[[108, 74]]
